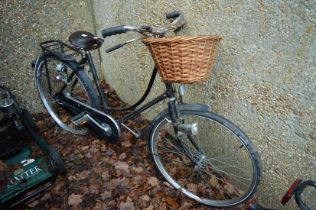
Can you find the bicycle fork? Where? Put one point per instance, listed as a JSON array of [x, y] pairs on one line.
[[179, 125]]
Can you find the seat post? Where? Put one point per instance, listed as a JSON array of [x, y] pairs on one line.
[[95, 77]]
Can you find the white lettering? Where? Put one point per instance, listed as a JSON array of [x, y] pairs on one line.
[[32, 171], [20, 176], [37, 169], [25, 175], [16, 178]]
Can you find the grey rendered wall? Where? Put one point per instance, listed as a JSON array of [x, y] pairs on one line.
[[24, 24], [263, 79]]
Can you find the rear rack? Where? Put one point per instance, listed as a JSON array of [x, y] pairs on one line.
[[61, 50]]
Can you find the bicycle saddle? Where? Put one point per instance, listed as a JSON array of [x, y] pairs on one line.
[[85, 40]]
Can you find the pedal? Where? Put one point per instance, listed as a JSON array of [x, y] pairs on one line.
[[80, 119]]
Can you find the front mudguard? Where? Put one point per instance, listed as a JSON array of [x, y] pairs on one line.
[[195, 107]]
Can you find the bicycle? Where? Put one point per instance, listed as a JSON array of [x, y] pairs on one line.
[[303, 191], [221, 172]]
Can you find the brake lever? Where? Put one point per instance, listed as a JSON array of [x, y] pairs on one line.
[[114, 48], [111, 49]]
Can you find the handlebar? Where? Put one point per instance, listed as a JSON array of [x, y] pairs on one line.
[[173, 14], [117, 30], [177, 21]]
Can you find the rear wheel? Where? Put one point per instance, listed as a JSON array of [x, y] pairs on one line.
[[205, 157], [54, 79]]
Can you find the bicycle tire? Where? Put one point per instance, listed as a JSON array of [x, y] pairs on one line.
[[65, 74], [180, 160], [301, 200]]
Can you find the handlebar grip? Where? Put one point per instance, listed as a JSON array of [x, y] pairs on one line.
[[113, 31], [114, 48], [173, 14]]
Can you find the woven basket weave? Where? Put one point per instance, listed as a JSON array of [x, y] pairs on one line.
[[183, 59]]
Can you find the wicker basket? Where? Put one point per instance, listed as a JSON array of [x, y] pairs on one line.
[[184, 59]]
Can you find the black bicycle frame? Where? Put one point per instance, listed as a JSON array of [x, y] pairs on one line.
[[95, 77], [169, 93], [76, 107]]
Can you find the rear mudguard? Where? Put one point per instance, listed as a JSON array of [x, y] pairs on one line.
[[61, 56]]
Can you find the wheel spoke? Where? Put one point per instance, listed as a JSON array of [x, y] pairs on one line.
[[229, 175], [172, 160]]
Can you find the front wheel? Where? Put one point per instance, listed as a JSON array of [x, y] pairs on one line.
[[206, 157]]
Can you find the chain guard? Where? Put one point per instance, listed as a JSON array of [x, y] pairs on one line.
[[116, 131]]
